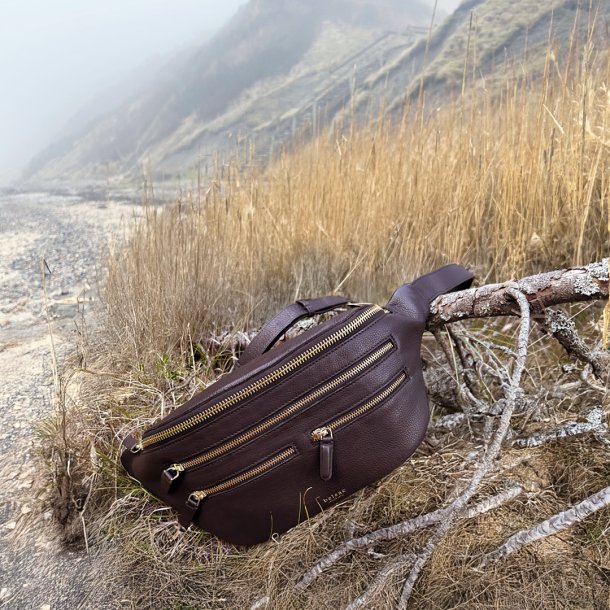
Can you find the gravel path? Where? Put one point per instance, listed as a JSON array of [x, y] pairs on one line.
[[68, 233]]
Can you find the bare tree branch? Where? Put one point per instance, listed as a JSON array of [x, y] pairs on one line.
[[595, 423], [546, 289], [402, 561], [554, 524], [402, 529], [573, 285], [490, 454], [558, 325], [396, 563]]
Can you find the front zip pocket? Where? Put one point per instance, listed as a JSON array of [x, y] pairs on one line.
[[324, 435], [197, 497], [256, 386], [172, 473]]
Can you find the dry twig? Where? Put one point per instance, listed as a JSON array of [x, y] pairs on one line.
[[493, 449], [550, 526], [595, 423], [401, 529]]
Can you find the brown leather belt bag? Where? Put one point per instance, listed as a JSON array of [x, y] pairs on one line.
[[293, 430]]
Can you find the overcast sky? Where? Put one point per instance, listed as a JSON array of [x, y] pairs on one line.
[[56, 55], [448, 5]]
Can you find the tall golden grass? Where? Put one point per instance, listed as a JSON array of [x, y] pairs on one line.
[[510, 181]]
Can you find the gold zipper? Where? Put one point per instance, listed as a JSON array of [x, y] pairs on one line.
[[261, 383], [173, 472], [197, 496], [324, 435], [320, 433]]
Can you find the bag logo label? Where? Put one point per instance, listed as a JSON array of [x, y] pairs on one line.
[[334, 496]]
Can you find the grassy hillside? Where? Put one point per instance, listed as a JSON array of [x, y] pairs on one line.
[[480, 45], [281, 69], [265, 44], [507, 184]]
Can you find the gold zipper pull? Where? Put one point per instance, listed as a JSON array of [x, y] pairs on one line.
[[171, 474], [195, 499], [325, 437], [192, 506], [320, 433]]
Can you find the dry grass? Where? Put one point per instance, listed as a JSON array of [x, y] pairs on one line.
[[511, 184]]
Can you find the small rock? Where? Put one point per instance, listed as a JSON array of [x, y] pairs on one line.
[[25, 509], [11, 525], [45, 607], [47, 515], [5, 593]]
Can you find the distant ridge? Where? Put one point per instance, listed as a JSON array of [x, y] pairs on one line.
[[280, 67], [251, 75]]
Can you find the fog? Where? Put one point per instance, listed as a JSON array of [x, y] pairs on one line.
[[56, 57], [448, 5]]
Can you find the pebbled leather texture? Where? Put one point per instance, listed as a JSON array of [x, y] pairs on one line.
[[264, 470]]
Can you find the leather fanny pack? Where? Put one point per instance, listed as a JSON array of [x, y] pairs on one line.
[[294, 429]]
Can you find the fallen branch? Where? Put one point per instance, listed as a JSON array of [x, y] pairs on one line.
[[554, 524], [492, 451], [402, 529], [558, 325], [260, 603], [595, 423], [573, 285], [396, 563], [402, 561], [544, 290]]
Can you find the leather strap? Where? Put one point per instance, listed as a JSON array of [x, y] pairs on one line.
[[278, 325], [449, 278]]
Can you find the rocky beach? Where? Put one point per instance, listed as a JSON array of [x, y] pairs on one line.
[[61, 239]]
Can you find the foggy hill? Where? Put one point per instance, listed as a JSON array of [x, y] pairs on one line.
[[283, 66], [482, 43], [260, 65]]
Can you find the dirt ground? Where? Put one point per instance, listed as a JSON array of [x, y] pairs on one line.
[[66, 237]]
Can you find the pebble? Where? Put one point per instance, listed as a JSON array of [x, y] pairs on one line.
[[11, 525]]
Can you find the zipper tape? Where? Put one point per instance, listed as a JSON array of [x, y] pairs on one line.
[[171, 474], [261, 383]]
